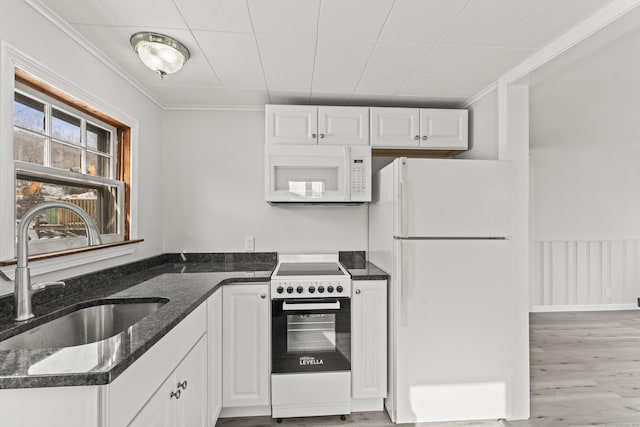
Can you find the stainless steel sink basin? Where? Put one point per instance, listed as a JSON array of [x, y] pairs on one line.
[[84, 325]]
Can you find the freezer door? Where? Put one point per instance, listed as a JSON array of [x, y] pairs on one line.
[[451, 330], [452, 198]]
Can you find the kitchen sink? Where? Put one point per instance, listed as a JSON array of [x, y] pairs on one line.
[[84, 325]]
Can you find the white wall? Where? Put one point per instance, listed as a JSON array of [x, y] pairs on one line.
[[483, 128], [33, 36], [585, 148], [214, 192]]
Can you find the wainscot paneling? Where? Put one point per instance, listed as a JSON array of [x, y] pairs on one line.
[[583, 275]]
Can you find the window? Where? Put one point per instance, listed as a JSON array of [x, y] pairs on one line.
[[66, 151]]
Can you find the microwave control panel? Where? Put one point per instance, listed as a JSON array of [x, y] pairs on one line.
[[358, 176]]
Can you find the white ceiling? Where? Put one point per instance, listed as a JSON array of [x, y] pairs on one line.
[[247, 53]]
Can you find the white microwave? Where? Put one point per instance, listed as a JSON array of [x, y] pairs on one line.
[[310, 174]]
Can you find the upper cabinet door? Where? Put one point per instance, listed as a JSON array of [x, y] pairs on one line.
[[395, 127], [291, 124], [343, 125], [444, 129]]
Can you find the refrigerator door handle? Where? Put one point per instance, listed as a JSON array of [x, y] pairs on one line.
[[404, 212], [404, 285]]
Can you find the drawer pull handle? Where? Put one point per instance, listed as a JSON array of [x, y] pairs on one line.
[[175, 394], [182, 385]]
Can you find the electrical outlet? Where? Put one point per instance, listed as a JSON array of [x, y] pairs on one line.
[[249, 243], [607, 293]]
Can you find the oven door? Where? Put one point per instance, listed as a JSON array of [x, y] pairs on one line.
[[311, 335]]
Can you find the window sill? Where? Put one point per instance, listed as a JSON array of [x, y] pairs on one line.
[[47, 263]]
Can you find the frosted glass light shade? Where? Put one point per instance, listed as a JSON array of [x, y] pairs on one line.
[[160, 53]]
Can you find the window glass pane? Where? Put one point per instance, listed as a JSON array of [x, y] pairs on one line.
[[99, 203], [65, 127], [98, 165], [28, 147], [28, 113], [98, 139], [65, 157]]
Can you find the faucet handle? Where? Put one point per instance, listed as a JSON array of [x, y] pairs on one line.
[[37, 287]]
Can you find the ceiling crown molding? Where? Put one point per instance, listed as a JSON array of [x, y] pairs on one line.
[[89, 47]]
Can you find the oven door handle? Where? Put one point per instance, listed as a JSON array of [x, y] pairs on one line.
[[287, 306]]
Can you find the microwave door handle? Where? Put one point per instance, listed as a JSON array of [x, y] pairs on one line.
[[287, 306], [347, 172]]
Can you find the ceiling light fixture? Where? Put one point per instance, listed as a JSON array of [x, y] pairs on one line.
[[161, 53]]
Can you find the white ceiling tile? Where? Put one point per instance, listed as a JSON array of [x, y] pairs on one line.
[[335, 80], [545, 24], [380, 83], [216, 15], [496, 61], [290, 97], [484, 22], [84, 12], [285, 16], [396, 57], [112, 41], [287, 61], [449, 59], [175, 96], [335, 54], [354, 18], [425, 84], [145, 13], [234, 57], [421, 21]]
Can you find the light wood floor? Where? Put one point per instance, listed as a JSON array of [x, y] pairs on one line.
[[585, 371]]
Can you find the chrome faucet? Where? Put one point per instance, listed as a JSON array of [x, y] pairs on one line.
[[24, 289]]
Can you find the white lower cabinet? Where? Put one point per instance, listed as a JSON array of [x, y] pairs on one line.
[[214, 336], [181, 400], [369, 340], [246, 349]]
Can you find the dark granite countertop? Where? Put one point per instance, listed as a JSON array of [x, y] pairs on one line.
[[185, 280]]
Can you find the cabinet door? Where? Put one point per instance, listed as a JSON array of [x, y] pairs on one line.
[[191, 380], [160, 410], [369, 339], [214, 340], [444, 129], [395, 127], [343, 125], [245, 348], [291, 124]]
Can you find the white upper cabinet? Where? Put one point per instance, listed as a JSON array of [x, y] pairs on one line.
[[395, 127], [291, 124], [301, 124], [343, 125], [444, 129], [419, 128]]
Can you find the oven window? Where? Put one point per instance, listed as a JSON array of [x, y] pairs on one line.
[[311, 332]]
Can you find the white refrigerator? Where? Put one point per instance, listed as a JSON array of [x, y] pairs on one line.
[[441, 228]]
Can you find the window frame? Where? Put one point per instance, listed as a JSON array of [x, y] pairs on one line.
[[119, 156]]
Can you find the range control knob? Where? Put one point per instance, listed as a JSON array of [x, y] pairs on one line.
[[311, 289], [280, 289], [299, 289], [339, 289], [290, 290], [320, 289], [330, 289]]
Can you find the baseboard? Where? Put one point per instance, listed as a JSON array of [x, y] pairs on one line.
[[246, 411], [367, 405], [582, 307]]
